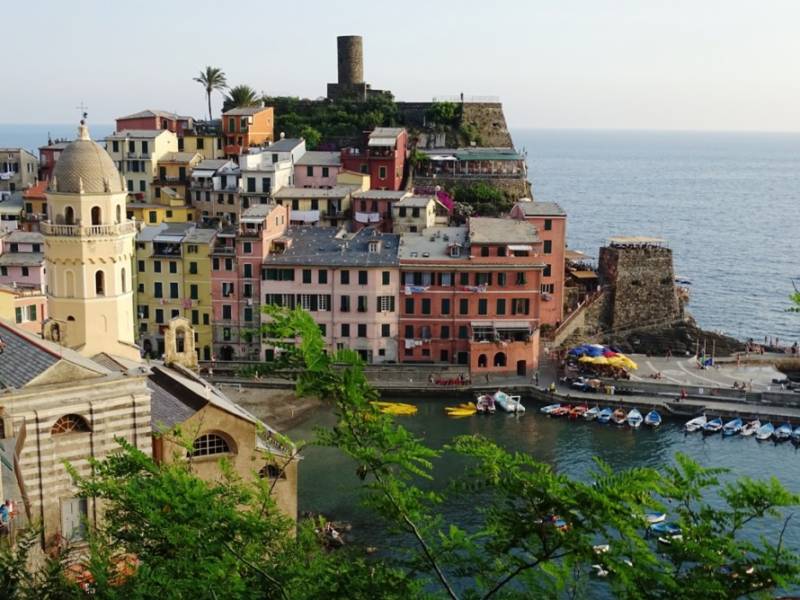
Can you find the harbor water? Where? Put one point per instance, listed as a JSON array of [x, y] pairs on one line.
[[329, 485]]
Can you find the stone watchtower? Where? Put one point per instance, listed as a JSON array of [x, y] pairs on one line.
[[350, 61], [88, 253], [638, 276]]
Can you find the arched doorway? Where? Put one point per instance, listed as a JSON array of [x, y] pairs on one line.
[[482, 361], [96, 215], [119, 214], [69, 216], [226, 353], [500, 359], [147, 346], [522, 368]]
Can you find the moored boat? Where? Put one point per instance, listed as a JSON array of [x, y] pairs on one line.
[[578, 411], [561, 410], [395, 408], [653, 517], [732, 427], [750, 428], [783, 433], [508, 403], [796, 435], [713, 426], [634, 418], [592, 413], [695, 424], [604, 416], [765, 432], [485, 404], [664, 528], [619, 416], [652, 419], [549, 408]]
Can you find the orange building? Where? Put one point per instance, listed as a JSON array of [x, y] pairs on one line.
[[471, 296], [550, 221], [245, 127]]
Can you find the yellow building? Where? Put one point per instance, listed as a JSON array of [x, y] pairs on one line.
[[360, 180], [136, 153], [168, 209], [206, 143], [173, 267], [175, 174]]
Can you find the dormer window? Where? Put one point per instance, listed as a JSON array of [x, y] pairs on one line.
[[455, 250], [374, 246]]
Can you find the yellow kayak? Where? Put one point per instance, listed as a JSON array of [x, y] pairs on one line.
[[396, 408], [464, 409]]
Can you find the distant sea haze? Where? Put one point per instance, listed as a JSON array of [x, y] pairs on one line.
[[728, 204]]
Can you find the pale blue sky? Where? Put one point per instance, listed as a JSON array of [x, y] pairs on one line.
[[643, 64]]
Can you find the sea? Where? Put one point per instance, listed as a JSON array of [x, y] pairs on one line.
[[728, 204]]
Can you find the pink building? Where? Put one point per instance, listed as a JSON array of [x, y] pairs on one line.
[[348, 283], [236, 280], [550, 221], [317, 169], [22, 260], [155, 119], [374, 207]]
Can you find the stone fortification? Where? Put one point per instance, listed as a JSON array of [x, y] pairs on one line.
[[487, 118], [638, 276]]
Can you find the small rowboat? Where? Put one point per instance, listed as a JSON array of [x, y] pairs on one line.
[[466, 409], [695, 424], [561, 410], [634, 418], [549, 408], [664, 528], [765, 432], [732, 427], [604, 416], [713, 426], [653, 517], [592, 413], [652, 419], [578, 411], [395, 408], [783, 433], [796, 435], [485, 404], [619, 417], [750, 428]]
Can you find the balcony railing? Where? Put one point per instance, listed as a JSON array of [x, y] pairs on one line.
[[88, 231]]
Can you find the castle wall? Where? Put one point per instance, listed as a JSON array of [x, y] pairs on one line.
[[641, 286]]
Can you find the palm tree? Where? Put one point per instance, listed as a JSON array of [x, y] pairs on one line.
[[212, 79], [239, 96]]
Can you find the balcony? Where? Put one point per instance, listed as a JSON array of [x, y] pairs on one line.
[[224, 251], [88, 231]]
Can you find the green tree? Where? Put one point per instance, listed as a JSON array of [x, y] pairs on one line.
[[444, 113], [486, 200], [311, 136], [241, 96], [211, 79]]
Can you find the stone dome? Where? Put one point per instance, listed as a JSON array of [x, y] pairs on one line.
[[85, 166]]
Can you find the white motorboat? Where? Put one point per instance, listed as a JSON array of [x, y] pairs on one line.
[[634, 418], [695, 424], [750, 428], [508, 403]]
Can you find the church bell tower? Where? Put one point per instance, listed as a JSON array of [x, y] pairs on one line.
[[88, 253]]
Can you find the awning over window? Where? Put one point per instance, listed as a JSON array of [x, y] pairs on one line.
[[520, 248], [381, 142]]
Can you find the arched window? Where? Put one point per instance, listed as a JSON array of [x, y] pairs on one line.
[[100, 283], [70, 424], [119, 214], [124, 287], [95, 215], [482, 361], [209, 444], [70, 318], [69, 216], [271, 471], [500, 359], [180, 340]]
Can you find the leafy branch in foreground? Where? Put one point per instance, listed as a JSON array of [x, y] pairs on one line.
[[531, 532]]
